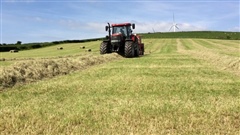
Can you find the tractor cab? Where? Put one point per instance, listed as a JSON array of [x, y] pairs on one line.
[[123, 29]]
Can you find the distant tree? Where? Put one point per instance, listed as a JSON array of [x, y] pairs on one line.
[[4, 44], [19, 42]]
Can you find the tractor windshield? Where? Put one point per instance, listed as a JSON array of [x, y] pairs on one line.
[[124, 30]]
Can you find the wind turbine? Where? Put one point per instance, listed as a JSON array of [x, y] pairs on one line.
[[174, 26]]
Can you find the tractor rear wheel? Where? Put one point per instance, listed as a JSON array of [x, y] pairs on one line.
[[104, 48], [143, 49], [137, 51], [129, 49]]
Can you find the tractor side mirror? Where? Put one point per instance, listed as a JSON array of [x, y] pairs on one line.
[[133, 26], [106, 28]]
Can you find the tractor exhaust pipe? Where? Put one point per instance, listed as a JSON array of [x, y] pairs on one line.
[[108, 28]]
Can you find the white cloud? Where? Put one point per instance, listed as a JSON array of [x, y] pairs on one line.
[[235, 29], [72, 24], [98, 29], [38, 19], [165, 26]]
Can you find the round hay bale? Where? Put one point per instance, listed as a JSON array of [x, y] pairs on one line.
[[88, 50], [3, 59], [82, 47], [59, 48], [13, 51]]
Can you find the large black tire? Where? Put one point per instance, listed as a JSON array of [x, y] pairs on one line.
[[143, 52], [104, 48], [129, 49], [137, 51], [143, 49]]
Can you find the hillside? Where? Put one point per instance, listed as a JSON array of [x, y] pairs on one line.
[[189, 34], [195, 34]]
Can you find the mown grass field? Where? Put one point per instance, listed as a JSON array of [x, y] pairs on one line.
[[181, 86]]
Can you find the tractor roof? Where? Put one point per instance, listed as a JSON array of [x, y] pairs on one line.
[[122, 24]]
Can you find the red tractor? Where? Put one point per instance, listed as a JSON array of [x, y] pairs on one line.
[[122, 41]]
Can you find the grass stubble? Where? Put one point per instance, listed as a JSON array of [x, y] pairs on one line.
[[171, 90]]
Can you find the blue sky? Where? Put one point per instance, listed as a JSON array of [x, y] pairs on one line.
[[53, 20]]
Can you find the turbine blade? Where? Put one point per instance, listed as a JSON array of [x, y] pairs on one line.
[[176, 26], [171, 27], [153, 30]]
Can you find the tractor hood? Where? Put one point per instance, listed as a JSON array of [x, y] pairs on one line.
[[116, 38]]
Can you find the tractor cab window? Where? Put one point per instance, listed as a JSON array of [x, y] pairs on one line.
[[124, 30]]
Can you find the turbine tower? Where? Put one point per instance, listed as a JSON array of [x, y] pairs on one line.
[[174, 26]]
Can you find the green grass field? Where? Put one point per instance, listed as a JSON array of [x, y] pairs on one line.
[[69, 50], [181, 86], [195, 34]]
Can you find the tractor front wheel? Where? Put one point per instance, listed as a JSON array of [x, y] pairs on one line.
[[129, 49], [104, 48]]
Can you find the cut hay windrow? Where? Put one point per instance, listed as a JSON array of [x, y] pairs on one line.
[[31, 71], [42, 58]]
